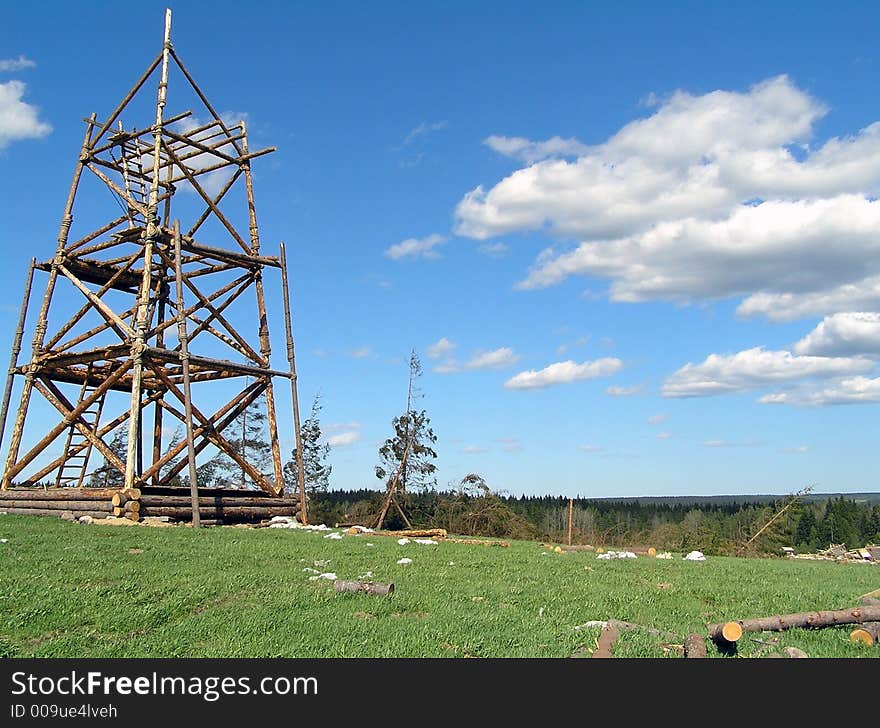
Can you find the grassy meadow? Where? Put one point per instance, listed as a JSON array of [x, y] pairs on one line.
[[71, 590]]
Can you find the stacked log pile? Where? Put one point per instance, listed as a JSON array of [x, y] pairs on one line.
[[216, 505], [94, 502], [838, 552], [221, 505]]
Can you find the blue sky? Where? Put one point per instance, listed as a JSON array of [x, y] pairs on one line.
[[635, 245]]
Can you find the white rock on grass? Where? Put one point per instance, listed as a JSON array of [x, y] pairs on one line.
[[329, 575], [695, 556], [425, 542], [403, 541], [404, 562], [608, 555], [4, 540], [334, 536]]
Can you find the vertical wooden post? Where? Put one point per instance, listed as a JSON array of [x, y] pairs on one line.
[[42, 320], [265, 348], [16, 348], [184, 363], [164, 296], [288, 330], [151, 238], [570, 517]]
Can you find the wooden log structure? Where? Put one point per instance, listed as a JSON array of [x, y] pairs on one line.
[[53, 512], [225, 513], [867, 633], [218, 504], [51, 505], [732, 631], [58, 494], [364, 587], [184, 501], [120, 498], [695, 646]]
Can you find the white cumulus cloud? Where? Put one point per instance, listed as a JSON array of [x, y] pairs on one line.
[[843, 334], [439, 349], [416, 248], [563, 372], [724, 194], [851, 390], [344, 439], [496, 359], [756, 368], [10, 65], [531, 151], [18, 119], [615, 391]]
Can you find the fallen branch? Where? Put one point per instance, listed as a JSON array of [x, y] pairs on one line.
[[364, 587], [477, 542], [695, 646], [732, 631]]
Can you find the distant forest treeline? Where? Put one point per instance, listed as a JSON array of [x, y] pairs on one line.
[[719, 525]]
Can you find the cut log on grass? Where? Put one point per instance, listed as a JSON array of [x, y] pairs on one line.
[[732, 631], [868, 633], [795, 652], [416, 533], [576, 547], [364, 587], [607, 638], [695, 646], [477, 542], [71, 505]]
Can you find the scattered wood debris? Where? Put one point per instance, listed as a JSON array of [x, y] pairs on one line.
[[870, 554]]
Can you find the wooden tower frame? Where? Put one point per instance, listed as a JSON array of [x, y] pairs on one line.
[[152, 260]]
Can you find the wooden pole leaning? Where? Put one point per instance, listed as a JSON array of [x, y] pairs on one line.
[[291, 360], [16, 348]]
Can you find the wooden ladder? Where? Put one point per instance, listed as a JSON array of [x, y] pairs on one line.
[[133, 177], [78, 448]]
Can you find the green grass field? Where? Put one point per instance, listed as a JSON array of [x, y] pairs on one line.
[[69, 590]]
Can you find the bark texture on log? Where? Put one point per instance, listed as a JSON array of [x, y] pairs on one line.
[[416, 533], [216, 501], [804, 620], [364, 587], [695, 646], [56, 512], [52, 505], [152, 490], [60, 494], [181, 512]]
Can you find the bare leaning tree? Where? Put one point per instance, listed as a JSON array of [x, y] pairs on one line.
[[405, 458]]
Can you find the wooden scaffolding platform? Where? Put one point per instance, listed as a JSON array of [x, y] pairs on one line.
[[151, 309]]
